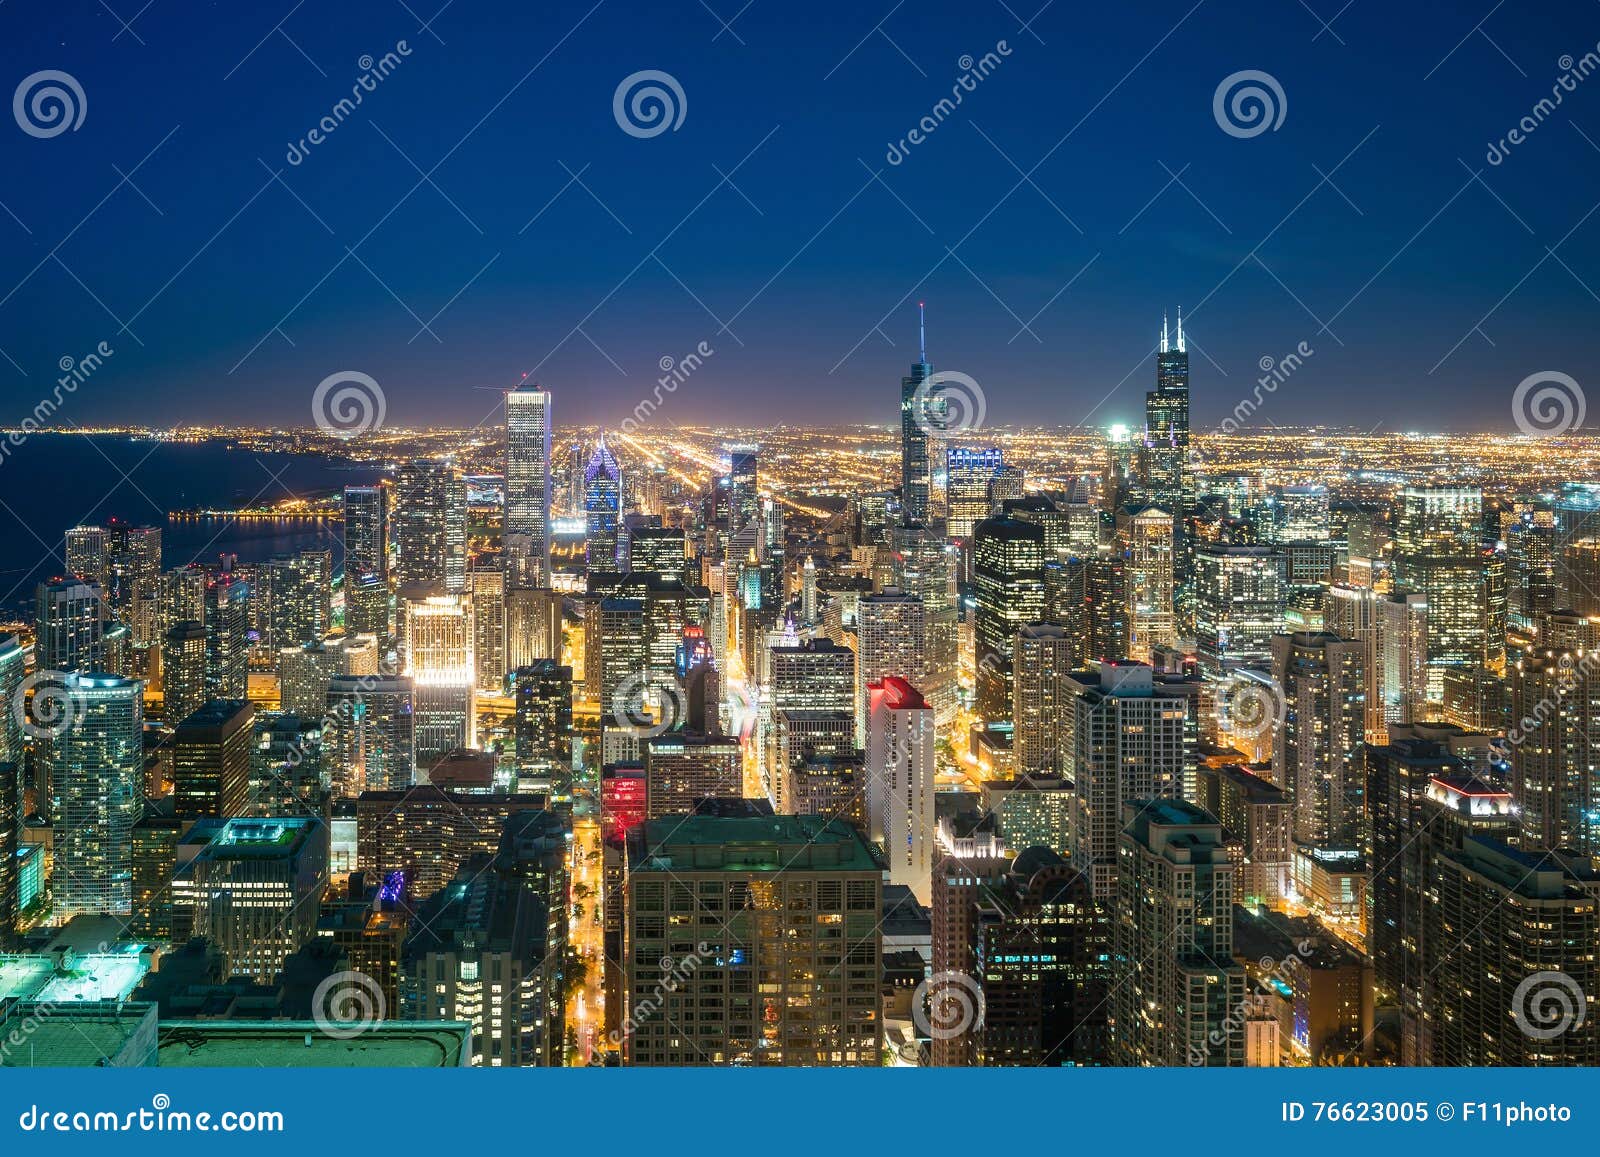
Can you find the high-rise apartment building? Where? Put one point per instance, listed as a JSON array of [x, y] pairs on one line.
[[1177, 998], [1322, 679], [900, 771]]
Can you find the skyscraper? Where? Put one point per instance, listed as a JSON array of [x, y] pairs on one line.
[[227, 624], [1322, 679], [891, 640], [69, 622], [1130, 741], [1176, 1001], [969, 471], [1555, 735], [771, 898], [1043, 658], [366, 532], [440, 663], [744, 485], [211, 760], [1145, 538], [258, 885], [916, 419], [527, 514], [183, 671], [430, 524], [1008, 557], [602, 504], [1164, 475], [370, 740], [1239, 603], [96, 770], [900, 771]]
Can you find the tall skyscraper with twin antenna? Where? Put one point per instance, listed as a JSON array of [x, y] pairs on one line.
[[1164, 461]]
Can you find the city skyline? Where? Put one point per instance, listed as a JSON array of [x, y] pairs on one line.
[[1386, 224]]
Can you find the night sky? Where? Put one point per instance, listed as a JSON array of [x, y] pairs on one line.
[[589, 284]]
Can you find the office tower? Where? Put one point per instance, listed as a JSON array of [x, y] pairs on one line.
[[1120, 477], [183, 671], [808, 592], [1042, 658], [487, 585], [891, 640], [527, 515], [10, 869], [744, 489], [488, 949], [1028, 940], [658, 550], [602, 504], [900, 772], [542, 694], [1255, 815], [1105, 614], [1555, 735], [1437, 553], [294, 596], [258, 886], [814, 677], [428, 832], [155, 863], [1130, 741], [969, 472], [69, 622], [1419, 792], [1176, 1000], [227, 621], [919, 410], [429, 520], [211, 760], [1239, 603], [1578, 576], [533, 627], [1145, 541], [681, 767], [96, 771], [1532, 549], [1515, 991], [1302, 515], [777, 952], [369, 736], [439, 661], [1008, 584], [366, 531], [1164, 477], [1322, 679]]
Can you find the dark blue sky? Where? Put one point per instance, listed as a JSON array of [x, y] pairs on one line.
[[798, 97]]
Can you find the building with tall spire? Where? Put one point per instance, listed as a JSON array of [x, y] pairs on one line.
[[527, 514], [916, 473], [602, 505]]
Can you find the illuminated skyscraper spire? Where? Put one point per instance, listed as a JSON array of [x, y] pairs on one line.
[[1180, 331], [1164, 343], [922, 332]]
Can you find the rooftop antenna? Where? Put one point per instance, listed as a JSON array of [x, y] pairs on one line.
[[1180, 330], [922, 332], [1163, 331]]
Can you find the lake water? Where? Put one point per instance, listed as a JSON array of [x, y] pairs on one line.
[[53, 482]]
